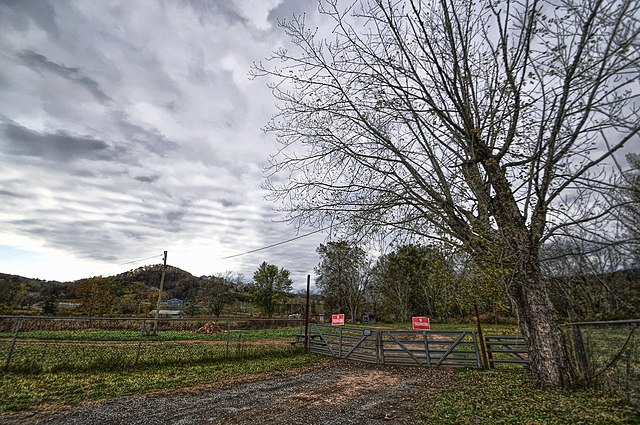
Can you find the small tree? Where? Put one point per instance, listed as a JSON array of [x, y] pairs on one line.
[[96, 295], [50, 297], [215, 293], [269, 286], [342, 277]]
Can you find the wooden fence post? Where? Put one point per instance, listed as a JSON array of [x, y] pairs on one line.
[[483, 348], [582, 361]]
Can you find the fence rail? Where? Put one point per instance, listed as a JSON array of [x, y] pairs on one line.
[[506, 350], [404, 348], [48, 344]]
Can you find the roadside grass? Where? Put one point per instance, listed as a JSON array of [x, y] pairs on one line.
[[501, 397], [21, 391]]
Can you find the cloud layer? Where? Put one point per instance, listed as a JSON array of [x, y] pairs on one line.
[[128, 128]]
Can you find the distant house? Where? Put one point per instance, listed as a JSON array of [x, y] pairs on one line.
[[369, 319], [70, 306], [174, 302], [167, 313]]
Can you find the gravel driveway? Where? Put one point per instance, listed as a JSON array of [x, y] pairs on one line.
[[344, 393]]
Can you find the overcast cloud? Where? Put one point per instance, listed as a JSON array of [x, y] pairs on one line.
[[129, 128]]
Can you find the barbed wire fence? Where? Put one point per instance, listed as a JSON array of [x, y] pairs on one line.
[[40, 344], [607, 356]]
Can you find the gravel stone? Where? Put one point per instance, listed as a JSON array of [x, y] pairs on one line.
[[341, 394]]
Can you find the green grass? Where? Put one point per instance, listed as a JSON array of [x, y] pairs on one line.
[[20, 391], [494, 397], [134, 335], [57, 356]]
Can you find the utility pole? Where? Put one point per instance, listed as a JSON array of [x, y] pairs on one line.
[[164, 269]]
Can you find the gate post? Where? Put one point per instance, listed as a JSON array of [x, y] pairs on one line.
[[483, 348], [306, 317], [581, 353]]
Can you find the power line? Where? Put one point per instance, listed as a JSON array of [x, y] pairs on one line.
[[142, 259], [273, 245]]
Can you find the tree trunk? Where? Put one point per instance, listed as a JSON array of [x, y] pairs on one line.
[[548, 354]]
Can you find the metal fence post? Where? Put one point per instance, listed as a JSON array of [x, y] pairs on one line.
[[142, 328], [427, 352], [13, 343], [306, 316], [340, 344], [228, 338]]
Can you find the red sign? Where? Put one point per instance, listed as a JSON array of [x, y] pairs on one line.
[[421, 323], [337, 319]]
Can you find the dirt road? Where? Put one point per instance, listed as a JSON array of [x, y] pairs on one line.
[[345, 393]]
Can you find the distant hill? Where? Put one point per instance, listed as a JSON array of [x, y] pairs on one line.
[[20, 291], [178, 283]]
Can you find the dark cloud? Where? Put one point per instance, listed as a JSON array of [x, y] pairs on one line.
[[59, 146], [41, 63], [147, 179], [21, 13], [174, 216], [288, 8], [227, 203], [10, 194], [208, 9], [150, 140], [89, 239]]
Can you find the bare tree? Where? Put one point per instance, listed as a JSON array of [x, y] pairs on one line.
[[626, 202], [589, 279], [484, 124]]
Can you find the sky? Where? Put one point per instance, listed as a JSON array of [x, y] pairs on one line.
[[128, 128]]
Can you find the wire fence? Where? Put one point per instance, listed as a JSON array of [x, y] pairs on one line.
[[607, 356], [34, 344]]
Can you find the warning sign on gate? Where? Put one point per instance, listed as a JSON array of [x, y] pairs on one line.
[[421, 323], [337, 319]]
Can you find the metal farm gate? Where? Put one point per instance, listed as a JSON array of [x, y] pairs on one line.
[[346, 343], [415, 348]]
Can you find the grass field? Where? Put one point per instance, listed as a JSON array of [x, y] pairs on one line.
[[134, 335], [501, 397]]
